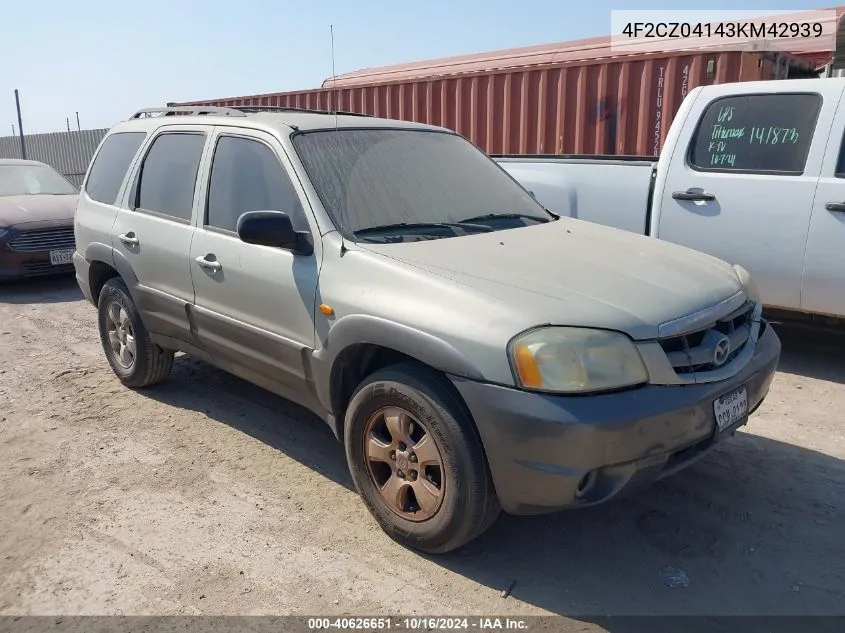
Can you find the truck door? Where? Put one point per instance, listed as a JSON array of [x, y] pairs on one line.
[[822, 288], [741, 177]]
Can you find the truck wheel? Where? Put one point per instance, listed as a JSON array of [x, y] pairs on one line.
[[417, 461], [136, 360]]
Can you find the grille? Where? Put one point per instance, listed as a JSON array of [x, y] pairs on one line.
[[696, 351], [41, 267], [43, 239]]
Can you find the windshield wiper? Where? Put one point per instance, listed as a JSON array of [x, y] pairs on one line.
[[410, 226], [504, 216]]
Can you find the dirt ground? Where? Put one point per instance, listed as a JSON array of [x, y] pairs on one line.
[[206, 495]]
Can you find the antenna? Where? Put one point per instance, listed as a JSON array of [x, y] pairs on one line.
[[336, 133]]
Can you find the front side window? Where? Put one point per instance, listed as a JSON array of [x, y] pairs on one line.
[[413, 184], [247, 176], [762, 133], [109, 167], [169, 174], [33, 180]]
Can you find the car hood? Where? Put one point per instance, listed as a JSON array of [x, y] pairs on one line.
[[15, 210], [572, 272]]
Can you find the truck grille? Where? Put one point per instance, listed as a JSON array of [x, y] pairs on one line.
[[712, 347], [43, 239]]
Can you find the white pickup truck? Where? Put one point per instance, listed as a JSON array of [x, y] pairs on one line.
[[753, 173]]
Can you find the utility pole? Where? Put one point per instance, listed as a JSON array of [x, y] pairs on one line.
[[13, 129], [78, 127], [67, 120], [20, 124]]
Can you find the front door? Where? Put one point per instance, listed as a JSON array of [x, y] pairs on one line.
[[154, 233], [254, 306], [742, 189], [822, 290]]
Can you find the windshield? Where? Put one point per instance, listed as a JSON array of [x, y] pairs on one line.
[[30, 180], [381, 178]]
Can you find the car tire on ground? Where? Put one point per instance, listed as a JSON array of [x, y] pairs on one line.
[[136, 360], [417, 460]]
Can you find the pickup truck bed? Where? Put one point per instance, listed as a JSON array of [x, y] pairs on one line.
[[578, 186]]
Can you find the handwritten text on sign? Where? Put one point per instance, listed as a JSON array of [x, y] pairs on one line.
[[722, 135]]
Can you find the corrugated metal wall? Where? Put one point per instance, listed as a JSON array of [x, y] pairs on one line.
[[68, 152], [616, 106]]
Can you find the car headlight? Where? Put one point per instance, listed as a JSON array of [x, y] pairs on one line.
[[747, 283], [3, 231], [576, 360]]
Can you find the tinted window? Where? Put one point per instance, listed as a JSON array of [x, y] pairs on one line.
[[756, 133], [169, 174], [31, 180], [373, 177], [110, 165], [247, 176]]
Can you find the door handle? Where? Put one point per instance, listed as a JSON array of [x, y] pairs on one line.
[[212, 265], [129, 239], [693, 194], [835, 206]]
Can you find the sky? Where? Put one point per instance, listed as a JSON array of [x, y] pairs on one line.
[[106, 59]]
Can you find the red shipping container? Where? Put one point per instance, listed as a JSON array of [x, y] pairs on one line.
[[571, 98]]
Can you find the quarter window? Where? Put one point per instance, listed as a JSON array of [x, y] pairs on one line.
[[246, 176], [169, 174], [762, 133]]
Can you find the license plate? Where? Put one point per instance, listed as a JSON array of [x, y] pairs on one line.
[[731, 408], [61, 256]]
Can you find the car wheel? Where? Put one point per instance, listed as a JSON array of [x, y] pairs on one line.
[[136, 360], [417, 461]]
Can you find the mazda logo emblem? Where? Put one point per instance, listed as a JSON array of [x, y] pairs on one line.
[[722, 351]]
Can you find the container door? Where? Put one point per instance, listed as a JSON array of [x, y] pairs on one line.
[[823, 287], [740, 183]]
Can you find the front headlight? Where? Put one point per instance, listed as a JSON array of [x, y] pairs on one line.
[[576, 360], [3, 231], [747, 283]]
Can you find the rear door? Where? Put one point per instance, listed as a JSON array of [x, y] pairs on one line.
[[741, 181], [823, 287], [153, 231]]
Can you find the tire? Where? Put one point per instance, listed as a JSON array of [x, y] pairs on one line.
[[150, 363], [467, 504]]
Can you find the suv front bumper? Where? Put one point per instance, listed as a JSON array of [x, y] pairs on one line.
[[542, 447]]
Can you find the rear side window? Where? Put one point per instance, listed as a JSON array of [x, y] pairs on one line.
[[110, 165], [247, 176], [169, 175], [763, 133]]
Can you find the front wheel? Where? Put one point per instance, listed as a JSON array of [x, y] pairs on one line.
[[417, 461]]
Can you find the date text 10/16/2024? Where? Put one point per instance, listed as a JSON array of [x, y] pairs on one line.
[[419, 624]]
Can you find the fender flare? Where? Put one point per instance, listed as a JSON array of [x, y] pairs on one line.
[[362, 329]]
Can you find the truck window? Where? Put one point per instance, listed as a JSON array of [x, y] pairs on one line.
[[169, 175], [757, 133], [247, 176], [110, 165]]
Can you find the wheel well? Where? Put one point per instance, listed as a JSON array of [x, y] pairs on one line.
[[98, 275]]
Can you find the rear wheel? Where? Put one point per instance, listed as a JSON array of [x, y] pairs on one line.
[[417, 461], [133, 357]]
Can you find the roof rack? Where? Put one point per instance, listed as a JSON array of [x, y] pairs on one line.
[[174, 110], [185, 111]]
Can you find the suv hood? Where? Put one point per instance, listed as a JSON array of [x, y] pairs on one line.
[[572, 272], [16, 210]]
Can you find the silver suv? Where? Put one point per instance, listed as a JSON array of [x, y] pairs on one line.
[[472, 350]]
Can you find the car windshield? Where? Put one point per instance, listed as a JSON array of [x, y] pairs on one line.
[[31, 180], [414, 183]]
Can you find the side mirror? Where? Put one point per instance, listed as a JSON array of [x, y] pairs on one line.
[[273, 228]]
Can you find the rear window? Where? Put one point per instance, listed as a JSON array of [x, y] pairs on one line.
[[110, 165], [764, 133]]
